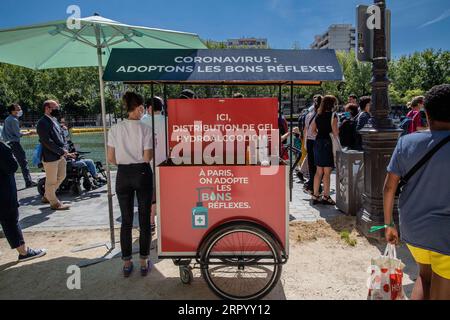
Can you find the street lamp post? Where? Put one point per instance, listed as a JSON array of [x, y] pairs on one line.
[[379, 138]]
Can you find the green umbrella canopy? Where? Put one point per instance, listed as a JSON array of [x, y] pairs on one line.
[[54, 45]]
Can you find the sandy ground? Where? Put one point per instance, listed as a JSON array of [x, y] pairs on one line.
[[321, 266]]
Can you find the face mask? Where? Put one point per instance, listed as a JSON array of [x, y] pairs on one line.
[[55, 113], [20, 113], [142, 113]]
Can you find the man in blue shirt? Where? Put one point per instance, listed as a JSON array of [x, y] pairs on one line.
[[424, 204], [11, 135]]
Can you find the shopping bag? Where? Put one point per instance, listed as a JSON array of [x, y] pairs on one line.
[[304, 169], [336, 146], [385, 282], [336, 143]]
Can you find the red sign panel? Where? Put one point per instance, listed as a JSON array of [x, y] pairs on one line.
[[193, 200], [232, 118]]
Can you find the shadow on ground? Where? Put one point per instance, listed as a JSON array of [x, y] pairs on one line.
[[47, 279]]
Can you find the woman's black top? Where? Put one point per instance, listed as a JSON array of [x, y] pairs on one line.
[[323, 123]]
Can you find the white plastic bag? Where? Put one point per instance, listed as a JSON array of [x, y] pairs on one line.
[[335, 141], [385, 282], [304, 169]]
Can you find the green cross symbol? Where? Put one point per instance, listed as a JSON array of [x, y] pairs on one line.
[[199, 220]]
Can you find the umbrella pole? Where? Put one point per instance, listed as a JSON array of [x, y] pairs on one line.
[[112, 252], [105, 137]]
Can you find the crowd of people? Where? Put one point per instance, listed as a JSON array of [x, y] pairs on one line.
[[323, 131], [55, 149], [320, 130], [318, 155]]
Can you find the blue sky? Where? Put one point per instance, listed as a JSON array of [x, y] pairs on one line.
[[417, 24]]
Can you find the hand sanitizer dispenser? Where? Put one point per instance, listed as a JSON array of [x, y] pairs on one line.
[[200, 213]]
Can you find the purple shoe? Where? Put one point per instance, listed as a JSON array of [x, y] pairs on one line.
[[145, 270]]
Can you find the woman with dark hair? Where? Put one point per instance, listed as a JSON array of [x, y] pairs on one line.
[[130, 148], [310, 137], [326, 122]]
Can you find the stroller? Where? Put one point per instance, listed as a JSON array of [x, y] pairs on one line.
[[77, 175]]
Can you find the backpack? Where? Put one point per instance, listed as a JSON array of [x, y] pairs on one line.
[[404, 125], [37, 155], [283, 125], [301, 121], [348, 134]]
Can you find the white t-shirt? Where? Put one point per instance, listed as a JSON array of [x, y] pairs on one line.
[[310, 134], [160, 135], [130, 138]]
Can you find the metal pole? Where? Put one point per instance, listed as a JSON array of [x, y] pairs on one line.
[[279, 115], [105, 136], [153, 129], [291, 142], [279, 100], [379, 139], [165, 119]]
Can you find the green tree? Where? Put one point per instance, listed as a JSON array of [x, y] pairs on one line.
[[78, 88], [75, 104], [411, 94], [420, 70], [357, 75]]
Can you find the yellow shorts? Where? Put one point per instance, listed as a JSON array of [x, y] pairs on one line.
[[440, 263]]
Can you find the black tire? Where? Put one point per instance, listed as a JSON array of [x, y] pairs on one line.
[[186, 275], [221, 273], [76, 189], [41, 186], [87, 185]]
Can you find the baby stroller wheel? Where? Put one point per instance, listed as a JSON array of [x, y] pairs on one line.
[[41, 186], [186, 275]]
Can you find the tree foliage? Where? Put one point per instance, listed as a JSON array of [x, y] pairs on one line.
[[78, 90], [420, 71]]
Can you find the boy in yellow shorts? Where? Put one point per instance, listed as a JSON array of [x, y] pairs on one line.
[[424, 203]]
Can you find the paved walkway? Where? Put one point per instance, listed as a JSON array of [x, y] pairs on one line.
[[90, 209]]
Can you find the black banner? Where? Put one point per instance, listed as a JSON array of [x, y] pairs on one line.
[[246, 65]]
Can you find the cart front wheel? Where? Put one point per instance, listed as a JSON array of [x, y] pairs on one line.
[[241, 261], [186, 275]]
